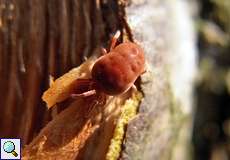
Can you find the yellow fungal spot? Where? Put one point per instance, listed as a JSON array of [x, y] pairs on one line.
[[128, 111]]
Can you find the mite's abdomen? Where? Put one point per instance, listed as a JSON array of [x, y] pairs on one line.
[[116, 71]]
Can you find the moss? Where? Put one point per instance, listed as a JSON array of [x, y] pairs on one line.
[[129, 110]]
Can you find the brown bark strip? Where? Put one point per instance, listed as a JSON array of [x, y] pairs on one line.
[[35, 67], [64, 36], [10, 58]]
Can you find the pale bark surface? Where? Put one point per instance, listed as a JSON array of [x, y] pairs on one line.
[[167, 35]]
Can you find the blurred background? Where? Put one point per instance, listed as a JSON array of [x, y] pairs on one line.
[[52, 46], [211, 132]]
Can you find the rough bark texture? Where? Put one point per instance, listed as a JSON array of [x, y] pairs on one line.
[[168, 38], [39, 38]]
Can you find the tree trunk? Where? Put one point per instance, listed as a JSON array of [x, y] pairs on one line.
[[41, 38]]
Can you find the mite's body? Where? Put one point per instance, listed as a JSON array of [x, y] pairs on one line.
[[113, 73], [117, 71]]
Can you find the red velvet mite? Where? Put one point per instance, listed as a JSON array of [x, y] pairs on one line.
[[114, 72]]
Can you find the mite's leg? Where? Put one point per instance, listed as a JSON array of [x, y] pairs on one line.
[[127, 29], [83, 88], [84, 58], [84, 94], [103, 51], [90, 108], [144, 72], [96, 102], [51, 80], [134, 87], [114, 40]]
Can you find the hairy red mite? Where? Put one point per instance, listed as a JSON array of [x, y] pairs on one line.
[[114, 72]]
